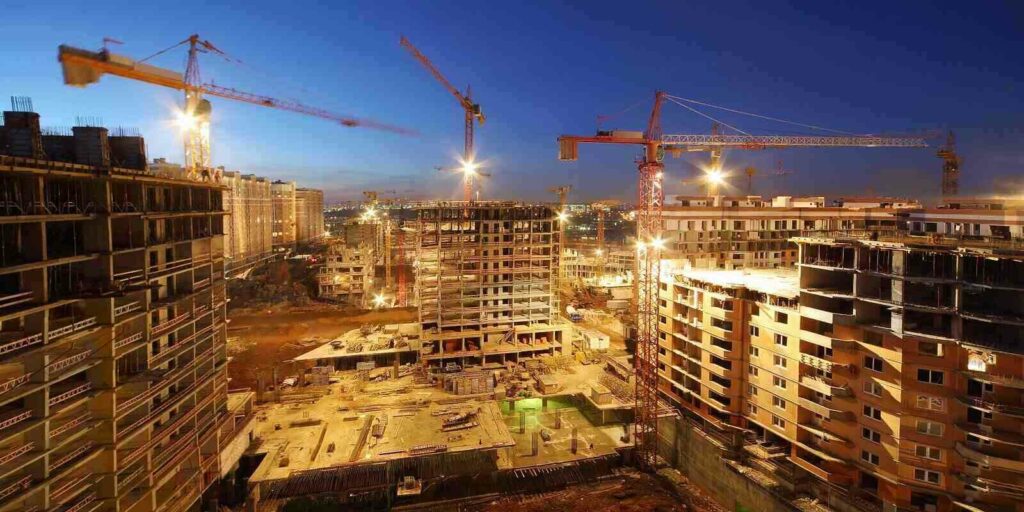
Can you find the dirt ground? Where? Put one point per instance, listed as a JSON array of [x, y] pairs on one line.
[[633, 492], [257, 340]]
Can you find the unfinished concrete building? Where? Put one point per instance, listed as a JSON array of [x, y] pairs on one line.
[[346, 274], [727, 233], [487, 281], [309, 215], [113, 383], [247, 229], [893, 382]]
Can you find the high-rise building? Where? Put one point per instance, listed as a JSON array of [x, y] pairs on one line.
[[309, 214], [282, 195], [113, 382], [248, 226], [886, 374], [487, 282]]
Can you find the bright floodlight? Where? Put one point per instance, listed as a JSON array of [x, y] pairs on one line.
[[658, 243], [598, 252], [715, 177], [378, 300], [563, 216], [640, 246], [184, 120], [469, 168]]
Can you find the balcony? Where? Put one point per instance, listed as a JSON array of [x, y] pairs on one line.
[[167, 326], [817, 362], [1009, 410], [13, 383], [992, 461], [825, 409], [824, 386], [72, 327], [11, 300], [21, 343], [19, 485], [124, 309], [128, 340], [72, 392]]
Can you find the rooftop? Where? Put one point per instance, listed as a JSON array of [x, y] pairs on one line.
[[780, 282], [387, 339]]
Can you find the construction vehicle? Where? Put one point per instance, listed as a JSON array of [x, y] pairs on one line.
[[472, 111], [85, 67], [651, 198]]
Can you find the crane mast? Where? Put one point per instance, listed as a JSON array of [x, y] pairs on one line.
[[650, 202], [473, 114]]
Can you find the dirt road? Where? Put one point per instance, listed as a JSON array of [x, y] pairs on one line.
[[261, 339]]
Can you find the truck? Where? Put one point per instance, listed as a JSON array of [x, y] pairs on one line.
[[573, 313]]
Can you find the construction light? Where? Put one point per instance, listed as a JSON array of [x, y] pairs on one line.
[[378, 301], [715, 177], [184, 120], [641, 247], [658, 243], [563, 216], [598, 252], [469, 168]]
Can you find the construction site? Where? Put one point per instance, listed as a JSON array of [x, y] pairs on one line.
[[200, 338]]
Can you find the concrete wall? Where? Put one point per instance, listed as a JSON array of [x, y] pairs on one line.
[[697, 457]]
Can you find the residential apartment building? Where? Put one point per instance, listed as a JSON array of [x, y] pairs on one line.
[[752, 232], [309, 214], [113, 382], [886, 374], [283, 235], [248, 226], [487, 282]]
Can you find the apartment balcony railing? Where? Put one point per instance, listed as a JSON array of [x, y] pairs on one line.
[[124, 481], [67, 362], [128, 340], [14, 419], [10, 384], [72, 327], [825, 410], [994, 461], [71, 424], [71, 393], [19, 485], [167, 325], [817, 362], [15, 453], [21, 343], [72, 455], [83, 505], [127, 308], [1010, 410], [65, 489], [129, 277], [824, 386]]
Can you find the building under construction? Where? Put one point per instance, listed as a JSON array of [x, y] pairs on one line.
[[247, 230], [113, 381], [487, 281]]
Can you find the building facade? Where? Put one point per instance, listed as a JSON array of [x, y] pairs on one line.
[[309, 215], [487, 282], [248, 226], [282, 195], [346, 274], [751, 232], [885, 375], [113, 382]]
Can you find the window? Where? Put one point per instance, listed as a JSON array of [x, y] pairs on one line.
[[752, 390], [931, 403], [781, 318], [929, 428], [755, 331], [779, 361], [752, 370], [779, 403], [929, 348], [724, 325], [928, 452], [781, 340], [872, 363], [870, 435], [752, 409], [778, 422], [872, 388], [779, 382], [873, 412], [869, 457], [923, 475], [755, 352], [929, 376]]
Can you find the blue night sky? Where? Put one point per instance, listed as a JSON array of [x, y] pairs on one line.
[[541, 69]]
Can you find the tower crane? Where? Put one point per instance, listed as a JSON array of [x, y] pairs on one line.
[[563, 216], [472, 111], [85, 67], [601, 208], [651, 197]]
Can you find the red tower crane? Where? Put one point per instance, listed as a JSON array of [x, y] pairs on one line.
[[472, 111], [650, 200]]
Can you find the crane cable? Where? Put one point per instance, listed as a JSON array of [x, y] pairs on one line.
[[677, 99], [723, 123]]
